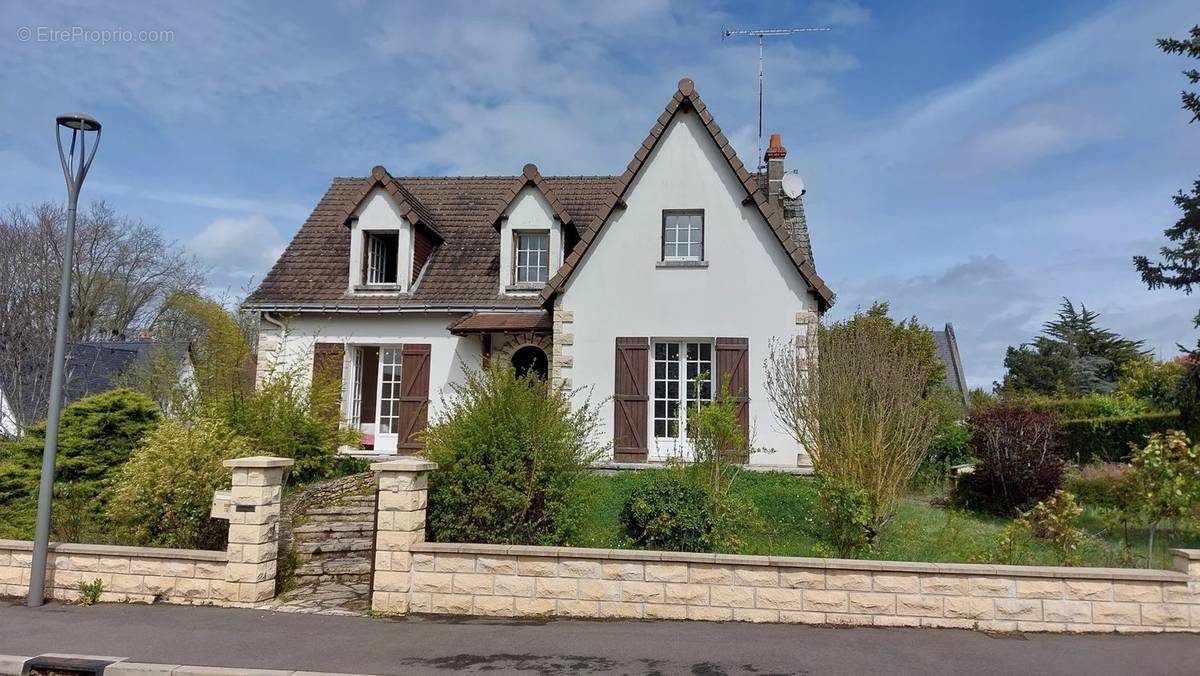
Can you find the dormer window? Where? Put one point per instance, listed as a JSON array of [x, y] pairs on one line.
[[382, 257], [532, 251]]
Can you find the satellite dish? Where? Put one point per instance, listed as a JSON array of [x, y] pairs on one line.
[[793, 185]]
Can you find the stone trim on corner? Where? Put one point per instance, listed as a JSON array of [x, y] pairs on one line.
[[562, 358]]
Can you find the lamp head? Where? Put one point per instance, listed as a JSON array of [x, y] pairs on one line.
[[79, 122]]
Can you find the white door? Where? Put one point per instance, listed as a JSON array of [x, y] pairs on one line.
[[681, 379], [387, 431]]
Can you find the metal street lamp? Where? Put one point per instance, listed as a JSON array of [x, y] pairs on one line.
[[74, 170]]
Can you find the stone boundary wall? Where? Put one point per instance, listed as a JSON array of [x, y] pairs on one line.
[[135, 574], [517, 581], [242, 575]]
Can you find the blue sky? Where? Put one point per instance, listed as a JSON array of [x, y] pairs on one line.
[[969, 162]]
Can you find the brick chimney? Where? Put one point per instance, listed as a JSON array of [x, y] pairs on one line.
[[774, 159]]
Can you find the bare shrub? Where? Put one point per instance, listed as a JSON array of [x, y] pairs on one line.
[[864, 399]]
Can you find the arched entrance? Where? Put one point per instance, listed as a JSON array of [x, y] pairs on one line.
[[531, 359]]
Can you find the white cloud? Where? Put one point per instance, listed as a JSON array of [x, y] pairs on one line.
[[839, 13], [237, 250], [1047, 132]]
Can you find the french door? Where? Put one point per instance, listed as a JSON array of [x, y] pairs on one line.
[[682, 381], [387, 429]]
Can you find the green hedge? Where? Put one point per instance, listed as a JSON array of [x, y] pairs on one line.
[[1079, 408], [1109, 439]]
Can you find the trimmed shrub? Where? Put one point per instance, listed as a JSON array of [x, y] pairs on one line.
[[96, 436], [1113, 439], [513, 461], [1075, 408], [666, 512], [164, 493], [1019, 461]]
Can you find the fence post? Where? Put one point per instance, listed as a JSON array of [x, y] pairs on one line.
[[401, 493], [254, 526]]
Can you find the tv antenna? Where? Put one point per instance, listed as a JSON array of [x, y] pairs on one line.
[[760, 34]]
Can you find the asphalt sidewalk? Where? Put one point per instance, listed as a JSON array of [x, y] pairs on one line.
[[252, 639]]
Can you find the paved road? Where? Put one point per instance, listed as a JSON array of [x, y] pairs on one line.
[[423, 645]]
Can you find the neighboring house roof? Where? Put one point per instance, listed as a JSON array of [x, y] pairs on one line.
[[686, 98], [463, 273], [91, 368], [96, 367], [947, 352]]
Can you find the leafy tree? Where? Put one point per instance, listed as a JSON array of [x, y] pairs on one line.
[[1072, 357], [1166, 479]]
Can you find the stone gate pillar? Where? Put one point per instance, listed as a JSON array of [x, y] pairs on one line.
[[254, 526], [401, 495]]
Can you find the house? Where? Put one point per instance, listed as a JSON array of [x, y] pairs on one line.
[[641, 290], [947, 352], [91, 368]]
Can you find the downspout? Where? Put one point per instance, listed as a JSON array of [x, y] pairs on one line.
[[266, 317]]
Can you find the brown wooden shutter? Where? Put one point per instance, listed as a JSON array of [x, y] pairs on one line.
[[414, 397], [368, 382], [630, 400], [733, 362]]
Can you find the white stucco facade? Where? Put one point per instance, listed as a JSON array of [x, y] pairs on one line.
[[449, 354], [747, 286], [529, 212]]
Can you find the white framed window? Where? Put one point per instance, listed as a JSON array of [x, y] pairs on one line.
[[356, 366], [682, 381], [531, 253], [389, 392], [381, 260], [683, 235]]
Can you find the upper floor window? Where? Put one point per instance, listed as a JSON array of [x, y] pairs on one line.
[[532, 253], [683, 236], [381, 262]]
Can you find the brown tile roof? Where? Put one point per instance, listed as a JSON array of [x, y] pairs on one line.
[[530, 175], [464, 269], [481, 322], [686, 98]]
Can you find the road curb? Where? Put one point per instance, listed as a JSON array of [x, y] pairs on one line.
[[13, 665]]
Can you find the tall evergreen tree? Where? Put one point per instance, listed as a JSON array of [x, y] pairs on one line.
[[1180, 264], [1073, 356]]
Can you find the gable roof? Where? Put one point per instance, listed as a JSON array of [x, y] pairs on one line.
[[530, 176], [463, 271], [947, 352], [410, 207], [687, 99]]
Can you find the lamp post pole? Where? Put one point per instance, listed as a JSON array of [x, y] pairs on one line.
[[74, 170]]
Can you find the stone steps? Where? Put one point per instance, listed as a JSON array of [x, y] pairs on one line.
[[335, 545]]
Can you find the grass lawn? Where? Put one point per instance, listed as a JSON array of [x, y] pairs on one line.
[[920, 531]]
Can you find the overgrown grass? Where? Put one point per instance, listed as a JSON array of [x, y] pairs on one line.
[[922, 529]]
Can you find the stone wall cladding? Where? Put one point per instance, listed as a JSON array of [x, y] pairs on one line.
[[562, 359], [512, 581], [520, 581], [129, 574]]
